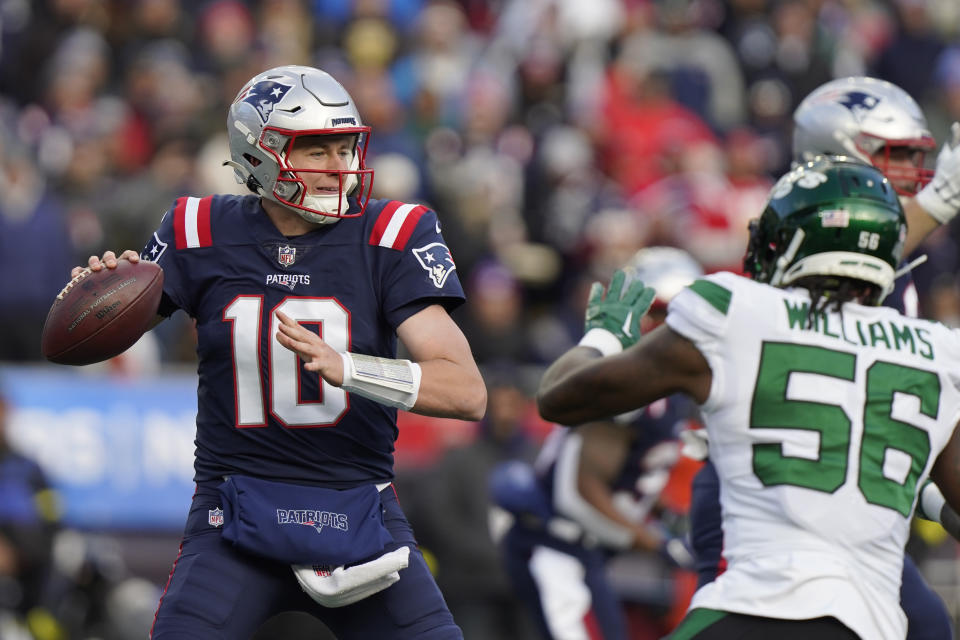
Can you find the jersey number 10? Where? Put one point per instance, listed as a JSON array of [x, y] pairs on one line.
[[284, 366]]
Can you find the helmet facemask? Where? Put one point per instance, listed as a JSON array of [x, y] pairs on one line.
[[903, 162], [292, 188]]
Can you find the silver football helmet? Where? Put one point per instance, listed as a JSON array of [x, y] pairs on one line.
[[859, 117], [268, 115], [666, 269]]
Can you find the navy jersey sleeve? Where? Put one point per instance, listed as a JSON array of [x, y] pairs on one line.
[[422, 270], [161, 248]]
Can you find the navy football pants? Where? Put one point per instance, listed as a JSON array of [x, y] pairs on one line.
[[218, 593], [927, 616], [564, 585]]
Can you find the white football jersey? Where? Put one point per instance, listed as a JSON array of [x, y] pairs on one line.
[[822, 438]]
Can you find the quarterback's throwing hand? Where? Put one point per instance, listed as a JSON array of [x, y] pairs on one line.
[[618, 312]]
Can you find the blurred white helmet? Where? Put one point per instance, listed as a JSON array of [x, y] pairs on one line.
[[268, 115], [666, 269], [859, 117]]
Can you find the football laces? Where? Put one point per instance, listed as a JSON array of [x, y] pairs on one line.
[[80, 276]]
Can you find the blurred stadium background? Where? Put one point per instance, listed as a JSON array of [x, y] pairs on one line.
[[553, 137]]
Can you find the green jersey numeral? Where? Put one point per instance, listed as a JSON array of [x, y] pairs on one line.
[[771, 408]]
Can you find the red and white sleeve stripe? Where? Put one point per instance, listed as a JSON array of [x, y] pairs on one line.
[[395, 224], [191, 222]]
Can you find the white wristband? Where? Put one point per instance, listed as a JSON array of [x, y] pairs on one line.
[[601, 340], [395, 383], [931, 502]]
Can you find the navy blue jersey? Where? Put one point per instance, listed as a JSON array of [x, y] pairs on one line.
[[904, 297], [354, 282], [646, 468], [648, 464]]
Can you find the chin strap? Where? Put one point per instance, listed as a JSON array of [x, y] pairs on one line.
[[239, 170]]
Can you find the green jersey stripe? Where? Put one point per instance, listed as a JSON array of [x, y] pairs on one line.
[[717, 296], [696, 621]]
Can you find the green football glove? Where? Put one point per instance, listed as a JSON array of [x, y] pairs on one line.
[[618, 312]]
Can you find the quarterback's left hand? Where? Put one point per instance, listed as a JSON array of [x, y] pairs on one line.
[[941, 197], [317, 354], [618, 312]]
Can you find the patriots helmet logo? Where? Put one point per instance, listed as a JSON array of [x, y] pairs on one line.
[[436, 260], [264, 96], [858, 101]]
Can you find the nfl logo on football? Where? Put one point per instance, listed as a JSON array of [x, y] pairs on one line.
[[215, 517], [287, 255]]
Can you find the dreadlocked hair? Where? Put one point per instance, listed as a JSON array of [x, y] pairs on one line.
[[831, 292]]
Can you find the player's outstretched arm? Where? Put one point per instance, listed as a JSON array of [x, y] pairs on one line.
[[609, 372], [939, 201], [451, 385], [443, 380], [584, 385]]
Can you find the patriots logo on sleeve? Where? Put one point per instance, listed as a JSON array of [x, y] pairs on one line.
[[436, 260], [154, 249], [264, 96]]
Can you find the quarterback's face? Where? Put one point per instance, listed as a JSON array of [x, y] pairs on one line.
[[900, 165], [311, 156]]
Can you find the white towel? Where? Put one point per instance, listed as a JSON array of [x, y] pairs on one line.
[[339, 587]]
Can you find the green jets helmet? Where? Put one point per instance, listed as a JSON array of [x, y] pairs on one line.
[[834, 217]]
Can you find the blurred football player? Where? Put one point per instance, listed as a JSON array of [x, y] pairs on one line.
[[803, 383], [880, 124], [300, 293], [592, 493]]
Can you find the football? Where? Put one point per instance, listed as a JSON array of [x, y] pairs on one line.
[[100, 314]]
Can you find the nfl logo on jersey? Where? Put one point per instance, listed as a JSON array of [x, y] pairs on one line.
[[287, 256], [215, 517]]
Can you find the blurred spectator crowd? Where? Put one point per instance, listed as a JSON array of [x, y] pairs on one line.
[[553, 137]]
